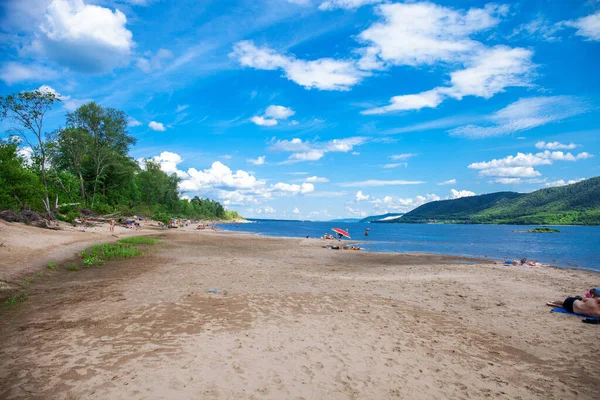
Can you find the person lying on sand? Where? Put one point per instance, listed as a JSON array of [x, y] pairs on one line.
[[588, 306]]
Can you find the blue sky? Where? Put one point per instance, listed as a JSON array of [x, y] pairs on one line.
[[316, 109]]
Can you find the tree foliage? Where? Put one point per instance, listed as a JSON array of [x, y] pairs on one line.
[[87, 163]]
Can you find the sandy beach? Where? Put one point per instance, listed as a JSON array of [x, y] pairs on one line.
[[288, 319]]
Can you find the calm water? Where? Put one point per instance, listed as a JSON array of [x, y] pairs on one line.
[[573, 247]]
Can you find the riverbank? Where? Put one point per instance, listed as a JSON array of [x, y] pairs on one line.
[[221, 315]]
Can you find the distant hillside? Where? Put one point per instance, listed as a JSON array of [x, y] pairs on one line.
[[577, 204], [458, 210], [379, 218]]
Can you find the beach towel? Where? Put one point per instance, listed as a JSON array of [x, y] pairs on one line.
[[563, 311]]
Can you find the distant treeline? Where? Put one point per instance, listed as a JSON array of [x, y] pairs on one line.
[[576, 204], [84, 165]]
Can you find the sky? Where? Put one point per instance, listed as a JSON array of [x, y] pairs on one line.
[[322, 109]]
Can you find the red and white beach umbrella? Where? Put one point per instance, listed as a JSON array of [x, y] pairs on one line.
[[341, 232]]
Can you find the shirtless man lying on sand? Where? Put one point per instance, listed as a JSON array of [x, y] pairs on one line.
[[588, 306]]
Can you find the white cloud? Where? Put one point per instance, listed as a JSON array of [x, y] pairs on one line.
[[262, 121], [294, 123], [361, 197], [316, 179], [555, 145], [258, 161], [403, 156], [562, 182], [431, 99], [487, 73], [157, 126], [524, 114], [219, 176], [374, 182], [394, 165], [265, 210], [168, 163], [84, 37], [539, 28], [154, 62], [347, 4], [322, 74], [26, 153], [279, 112], [133, 122], [588, 27], [526, 160], [296, 210], [181, 108], [522, 172], [293, 188], [402, 205], [507, 181], [68, 103], [457, 194], [424, 33], [313, 151], [448, 182], [13, 72]]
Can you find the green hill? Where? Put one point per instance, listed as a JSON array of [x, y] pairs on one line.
[[576, 204], [458, 210]]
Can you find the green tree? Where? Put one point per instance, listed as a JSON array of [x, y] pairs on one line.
[[108, 137], [19, 186], [27, 110], [72, 148]]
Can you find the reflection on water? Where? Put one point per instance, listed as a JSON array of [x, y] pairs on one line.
[[574, 246]]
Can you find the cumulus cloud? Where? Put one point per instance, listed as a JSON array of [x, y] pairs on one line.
[[293, 188], [132, 122], [316, 179], [588, 27], [69, 103], [296, 210], [375, 182], [457, 194], [402, 205], [555, 145], [322, 74], [272, 115], [487, 73], [157, 126], [84, 37], [361, 197], [262, 121], [522, 165], [562, 182], [524, 114], [448, 182], [424, 33], [313, 151], [13, 72], [279, 112], [168, 163], [258, 161]]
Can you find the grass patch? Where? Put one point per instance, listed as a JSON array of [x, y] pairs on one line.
[[73, 267], [51, 265], [27, 281], [138, 240], [124, 248], [14, 300], [40, 274]]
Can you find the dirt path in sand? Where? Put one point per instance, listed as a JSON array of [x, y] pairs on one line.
[[293, 320]]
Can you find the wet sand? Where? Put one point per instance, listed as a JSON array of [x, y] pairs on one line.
[[293, 320]]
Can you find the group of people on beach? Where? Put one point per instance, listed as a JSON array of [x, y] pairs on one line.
[[588, 306]]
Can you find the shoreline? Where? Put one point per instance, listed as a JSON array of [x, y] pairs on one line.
[[466, 256]]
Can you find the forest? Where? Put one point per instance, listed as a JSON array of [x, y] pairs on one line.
[[84, 165]]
